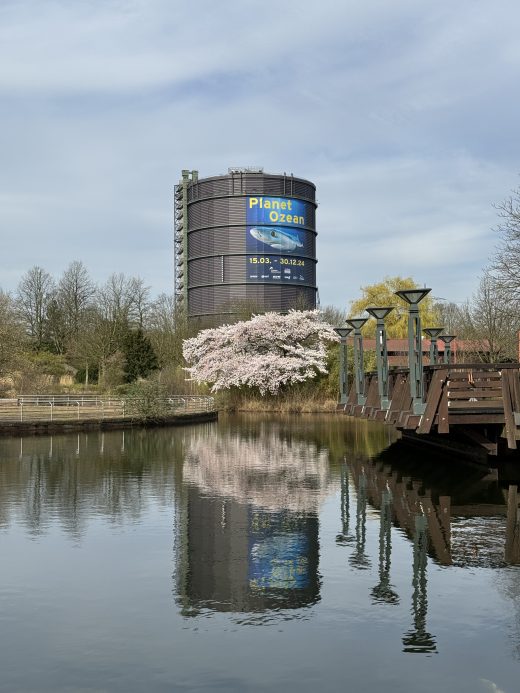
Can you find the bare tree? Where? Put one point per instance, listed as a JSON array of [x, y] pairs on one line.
[[69, 307], [34, 294], [75, 293], [11, 335], [333, 316], [114, 299], [95, 344], [449, 317], [141, 304], [167, 327], [489, 324], [124, 301], [506, 263], [119, 305], [56, 327]]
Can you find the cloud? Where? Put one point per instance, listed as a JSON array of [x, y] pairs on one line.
[[405, 117], [407, 217], [491, 687]]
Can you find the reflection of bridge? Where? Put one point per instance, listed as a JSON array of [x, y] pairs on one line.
[[474, 405], [477, 495], [477, 526]]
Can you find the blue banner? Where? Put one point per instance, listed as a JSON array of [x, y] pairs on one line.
[[280, 211], [278, 268], [272, 237]]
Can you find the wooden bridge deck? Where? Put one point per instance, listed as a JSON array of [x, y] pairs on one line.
[[479, 403]]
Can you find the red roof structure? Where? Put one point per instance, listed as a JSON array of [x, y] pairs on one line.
[[398, 350]]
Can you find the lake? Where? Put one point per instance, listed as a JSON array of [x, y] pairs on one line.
[[258, 553]]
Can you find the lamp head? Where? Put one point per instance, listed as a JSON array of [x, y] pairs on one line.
[[343, 332], [356, 323], [447, 338], [379, 313], [432, 332], [412, 296]]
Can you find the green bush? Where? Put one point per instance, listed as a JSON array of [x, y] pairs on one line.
[[146, 400]]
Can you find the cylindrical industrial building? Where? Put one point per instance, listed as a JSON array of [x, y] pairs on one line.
[[244, 238]]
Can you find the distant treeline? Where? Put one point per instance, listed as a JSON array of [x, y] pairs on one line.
[[74, 329], [71, 332]]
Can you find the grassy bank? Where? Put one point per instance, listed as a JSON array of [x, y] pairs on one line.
[[283, 404]]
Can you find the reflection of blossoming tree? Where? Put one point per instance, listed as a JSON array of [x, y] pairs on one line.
[[266, 352], [267, 471]]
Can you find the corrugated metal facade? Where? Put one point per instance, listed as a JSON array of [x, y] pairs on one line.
[[217, 254]]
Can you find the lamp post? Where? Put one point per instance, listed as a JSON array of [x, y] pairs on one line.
[[343, 333], [359, 376], [413, 297], [447, 339], [381, 353], [433, 333]]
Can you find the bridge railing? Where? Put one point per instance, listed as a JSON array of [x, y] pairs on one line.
[[455, 395]]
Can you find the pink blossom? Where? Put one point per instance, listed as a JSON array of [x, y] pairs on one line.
[[267, 352]]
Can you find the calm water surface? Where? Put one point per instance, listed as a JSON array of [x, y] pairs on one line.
[[256, 554]]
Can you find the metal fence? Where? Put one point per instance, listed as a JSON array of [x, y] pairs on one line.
[[69, 407]]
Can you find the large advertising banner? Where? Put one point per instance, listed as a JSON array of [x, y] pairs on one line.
[[274, 240]]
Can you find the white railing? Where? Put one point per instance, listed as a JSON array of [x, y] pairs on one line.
[[94, 407], [191, 403]]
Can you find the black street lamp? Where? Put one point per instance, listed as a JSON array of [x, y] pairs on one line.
[[381, 354], [447, 339], [413, 297], [359, 376], [343, 333], [433, 333]]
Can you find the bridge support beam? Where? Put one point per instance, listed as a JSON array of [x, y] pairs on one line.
[[433, 333], [343, 333], [359, 375], [381, 354], [415, 363], [447, 339]]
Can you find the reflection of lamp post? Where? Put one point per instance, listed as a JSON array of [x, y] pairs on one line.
[[383, 591], [359, 559], [381, 354], [413, 297], [359, 376], [345, 537], [343, 333], [433, 333], [447, 339], [418, 639]]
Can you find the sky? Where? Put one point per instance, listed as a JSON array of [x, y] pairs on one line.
[[404, 114]]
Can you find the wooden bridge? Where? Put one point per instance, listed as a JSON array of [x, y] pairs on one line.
[[465, 404]]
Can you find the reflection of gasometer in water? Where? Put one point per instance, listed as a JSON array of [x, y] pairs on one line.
[[238, 558], [276, 238]]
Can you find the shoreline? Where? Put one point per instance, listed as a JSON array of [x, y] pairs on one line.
[[35, 428]]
